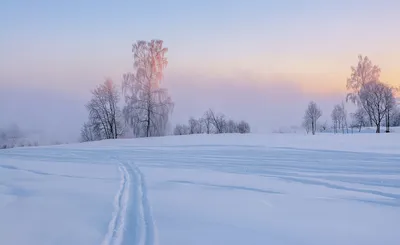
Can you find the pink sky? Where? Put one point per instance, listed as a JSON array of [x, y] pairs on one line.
[[270, 56]]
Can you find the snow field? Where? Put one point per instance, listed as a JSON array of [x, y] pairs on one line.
[[204, 189]]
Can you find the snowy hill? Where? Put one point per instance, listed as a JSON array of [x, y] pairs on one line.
[[205, 189]]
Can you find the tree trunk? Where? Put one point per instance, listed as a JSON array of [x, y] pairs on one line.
[[148, 124], [378, 128], [388, 122], [312, 127]]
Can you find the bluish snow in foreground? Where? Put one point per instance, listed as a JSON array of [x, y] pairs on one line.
[[205, 189]]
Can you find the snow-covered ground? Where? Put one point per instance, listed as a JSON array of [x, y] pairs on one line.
[[204, 189]]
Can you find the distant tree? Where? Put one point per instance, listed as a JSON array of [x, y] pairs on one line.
[[359, 119], [11, 136], [323, 126], [201, 126], [3, 136], [212, 123], [218, 121], [339, 118], [231, 127], [391, 105], [196, 126], [377, 99], [14, 134], [181, 129], [208, 121], [335, 119], [395, 116], [306, 124], [192, 125], [147, 106], [243, 127], [87, 133], [311, 116], [104, 114], [361, 74]]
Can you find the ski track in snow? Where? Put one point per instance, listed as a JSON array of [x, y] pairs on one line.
[[131, 222]]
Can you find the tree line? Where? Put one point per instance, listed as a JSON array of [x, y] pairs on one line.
[[375, 101], [212, 123]]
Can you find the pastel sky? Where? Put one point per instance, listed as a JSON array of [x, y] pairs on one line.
[[294, 49]]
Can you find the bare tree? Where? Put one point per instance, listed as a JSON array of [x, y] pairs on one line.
[[323, 126], [207, 121], [201, 129], [339, 118], [390, 104], [335, 119], [361, 74], [377, 99], [243, 127], [148, 106], [87, 133], [181, 129], [311, 116], [218, 121], [395, 117], [195, 126], [192, 125], [231, 127], [104, 114], [306, 124], [359, 118], [212, 123]]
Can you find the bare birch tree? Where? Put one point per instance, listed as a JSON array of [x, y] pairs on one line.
[[311, 116], [104, 114], [148, 106], [361, 74]]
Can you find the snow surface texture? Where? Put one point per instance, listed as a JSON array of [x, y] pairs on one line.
[[204, 189]]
